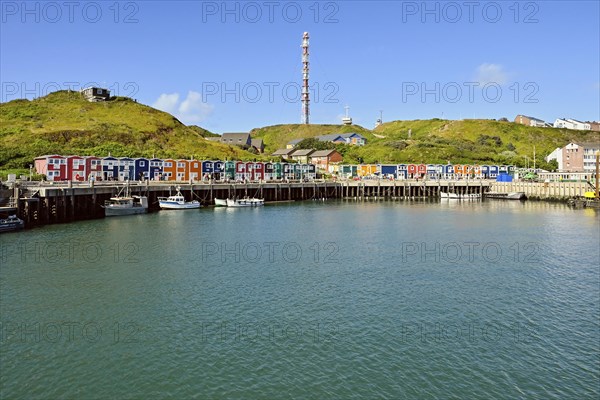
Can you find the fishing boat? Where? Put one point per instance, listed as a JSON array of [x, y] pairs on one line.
[[220, 202], [245, 202], [12, 223], [125, 204], [457, 196], [506, 196], [177, 202]]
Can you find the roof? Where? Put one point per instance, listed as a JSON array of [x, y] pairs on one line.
[[329, 138], [533, 118], [257, 142], [303, 152], [323, 153], [283, 152], [333, 136], [588, 145], [236, 137], [295, 141]]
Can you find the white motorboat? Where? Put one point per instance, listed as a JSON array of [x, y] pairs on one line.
[[220, 202], [245, 202], [177, 202], [465, 196]]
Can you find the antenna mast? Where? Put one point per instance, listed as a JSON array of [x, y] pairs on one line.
[[305, 70]]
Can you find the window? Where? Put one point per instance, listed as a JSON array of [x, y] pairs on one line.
[[168, 165], [142, 163], [180, 165], [99, 91]]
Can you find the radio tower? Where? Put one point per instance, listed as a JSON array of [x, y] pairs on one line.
[[305, 92]]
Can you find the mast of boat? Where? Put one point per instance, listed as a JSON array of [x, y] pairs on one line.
[[533, 158]]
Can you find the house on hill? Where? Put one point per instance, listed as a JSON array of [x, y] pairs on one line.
[[352, 139], [530, 121], [325, 159], [95, 94], [242, 140], [258, 144], [292, 143], [302, 156], [283, 153], [570, 123]]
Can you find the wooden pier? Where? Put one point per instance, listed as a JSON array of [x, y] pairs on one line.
[[44, 203]]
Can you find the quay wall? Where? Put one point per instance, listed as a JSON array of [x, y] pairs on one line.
[[49, 204], [543, 190]]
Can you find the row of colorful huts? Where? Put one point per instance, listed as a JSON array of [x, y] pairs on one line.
[[83, 168]]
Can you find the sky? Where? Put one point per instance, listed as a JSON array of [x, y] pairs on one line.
[[231, 66]]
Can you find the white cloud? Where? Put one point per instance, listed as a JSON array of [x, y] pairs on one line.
[[192, 110], [167, 102], [491, 73]]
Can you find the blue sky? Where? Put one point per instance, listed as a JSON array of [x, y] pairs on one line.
[[234, 66]]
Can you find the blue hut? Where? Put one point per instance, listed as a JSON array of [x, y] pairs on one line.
[[219, 170], [207, 169], [141, 169], [388, 171], [110, 168], [155, 169], [126, 169]]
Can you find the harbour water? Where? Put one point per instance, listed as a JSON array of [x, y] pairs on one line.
[[335, 300]]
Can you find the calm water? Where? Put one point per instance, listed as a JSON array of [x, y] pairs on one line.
[[314, 300]]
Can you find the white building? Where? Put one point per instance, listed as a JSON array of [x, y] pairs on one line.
[[569, 123], [556, 155]]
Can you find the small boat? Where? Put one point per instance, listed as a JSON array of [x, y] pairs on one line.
[[220, 202], [117, 206], [125, 204], [506, 196], [245, 202], [12, 223], [466, 196], [177, 202]]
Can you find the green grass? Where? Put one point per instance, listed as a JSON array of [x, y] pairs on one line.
[[63, 122], [437, 141]]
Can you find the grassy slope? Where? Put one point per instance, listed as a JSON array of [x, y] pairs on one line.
[[438, 141], [277, 136], [63, 122]]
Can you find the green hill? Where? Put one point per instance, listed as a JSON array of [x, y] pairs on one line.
[[438, 141], [65, 123]]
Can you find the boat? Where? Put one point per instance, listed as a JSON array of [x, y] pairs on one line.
[[12, 223], [245, 202], [465, 196], [507, 196], [177, 202], [220, 202], [125, 205]]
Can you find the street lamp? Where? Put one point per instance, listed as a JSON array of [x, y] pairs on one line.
[[30, 172]]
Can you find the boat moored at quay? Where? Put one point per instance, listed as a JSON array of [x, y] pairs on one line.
[[177, 202], [12, 223], [245, 202], [506, 196]]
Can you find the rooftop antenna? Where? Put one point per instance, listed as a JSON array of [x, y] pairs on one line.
[[305, 76]]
